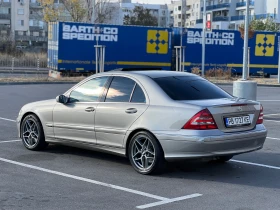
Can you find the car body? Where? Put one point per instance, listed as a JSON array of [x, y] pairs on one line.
[[185, 115]]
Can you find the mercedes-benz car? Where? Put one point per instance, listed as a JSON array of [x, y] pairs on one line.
[[148, 116]]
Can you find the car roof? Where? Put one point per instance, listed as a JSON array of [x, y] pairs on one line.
[[153, 73]]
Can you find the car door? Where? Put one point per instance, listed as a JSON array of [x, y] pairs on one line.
[[75, 120], [124, 102]]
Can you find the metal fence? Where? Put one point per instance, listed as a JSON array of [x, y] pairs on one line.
[[12, 62]]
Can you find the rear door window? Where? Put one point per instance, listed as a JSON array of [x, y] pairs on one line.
[[120, 90], [190, 88]]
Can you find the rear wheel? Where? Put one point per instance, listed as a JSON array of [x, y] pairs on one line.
[[145, 153], [223, 159], [32, 133]]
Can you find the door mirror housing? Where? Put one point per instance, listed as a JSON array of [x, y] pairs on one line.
[[62, 99]]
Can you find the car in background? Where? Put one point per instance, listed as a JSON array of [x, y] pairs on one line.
[[148, 116]]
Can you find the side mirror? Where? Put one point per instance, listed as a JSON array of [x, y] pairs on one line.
[[62, 99]]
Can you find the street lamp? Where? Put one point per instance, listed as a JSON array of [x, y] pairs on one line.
[[203, 39]]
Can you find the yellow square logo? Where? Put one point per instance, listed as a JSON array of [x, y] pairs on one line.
[[265, 45], [157, 42]]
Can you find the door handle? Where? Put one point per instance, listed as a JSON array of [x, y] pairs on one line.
[[131, 111], [89, 109]]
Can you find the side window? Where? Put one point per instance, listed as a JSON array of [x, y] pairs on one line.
[[138, 95], [120, 90], [89, 91]]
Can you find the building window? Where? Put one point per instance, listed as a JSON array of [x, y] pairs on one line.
[[179, 8], [20, 11], [179, 16], [20, 22]]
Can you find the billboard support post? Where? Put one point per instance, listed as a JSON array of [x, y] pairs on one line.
[[100, 58]]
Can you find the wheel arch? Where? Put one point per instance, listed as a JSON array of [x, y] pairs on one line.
[[133, 133]]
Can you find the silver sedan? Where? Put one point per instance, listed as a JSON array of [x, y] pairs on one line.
[[148, 116]]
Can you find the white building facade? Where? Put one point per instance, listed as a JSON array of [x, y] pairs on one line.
[[230, 14]]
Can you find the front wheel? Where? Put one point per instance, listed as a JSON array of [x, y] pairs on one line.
[[32, 133], [145, 154]]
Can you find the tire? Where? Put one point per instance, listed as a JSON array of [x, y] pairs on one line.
[[145, 154], [223, 159], [32, 133]]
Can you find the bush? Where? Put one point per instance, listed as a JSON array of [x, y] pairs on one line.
[[217, 73]]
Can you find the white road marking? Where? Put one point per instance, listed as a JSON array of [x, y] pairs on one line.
[[277, 121], [162, 201], [271, 114], [256, 164], [8, 141], [168, 201], [84, 179], [1, 118], [268, 100], [272, 138]]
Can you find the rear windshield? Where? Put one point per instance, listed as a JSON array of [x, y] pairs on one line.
[[190, 88]]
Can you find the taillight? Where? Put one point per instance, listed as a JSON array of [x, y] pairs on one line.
[[260, 119], [203, 120]]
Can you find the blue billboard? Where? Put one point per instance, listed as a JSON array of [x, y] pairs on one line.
[[125, 46], [224, 49]]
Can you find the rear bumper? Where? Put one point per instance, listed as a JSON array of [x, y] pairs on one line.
[[178, 147]]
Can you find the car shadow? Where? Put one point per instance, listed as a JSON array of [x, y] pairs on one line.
[[230, 172], [68, 150]]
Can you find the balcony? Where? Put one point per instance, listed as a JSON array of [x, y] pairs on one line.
[[5, 16], [236, 18], [243, 4], [5, 4], [35, 28], [252, 17], [31, 38], [220, 18], [35, 5], [5, 27], [217, 6]]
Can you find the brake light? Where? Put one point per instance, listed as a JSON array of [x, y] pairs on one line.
[[203, 120], [260, 119]]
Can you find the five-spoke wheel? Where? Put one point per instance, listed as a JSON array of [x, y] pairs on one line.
[[32, 133], [145, 153]]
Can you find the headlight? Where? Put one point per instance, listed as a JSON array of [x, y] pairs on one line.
[[20, 112]]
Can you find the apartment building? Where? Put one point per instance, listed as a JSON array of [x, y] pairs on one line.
[[230, 14], [22, 21], [193, 12]]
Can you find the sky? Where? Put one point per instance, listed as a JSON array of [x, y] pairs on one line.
[[152, 1]]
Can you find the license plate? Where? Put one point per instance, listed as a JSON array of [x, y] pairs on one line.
[[237, 121]]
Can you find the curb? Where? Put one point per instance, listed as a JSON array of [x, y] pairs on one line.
[[260, 85], [35, 83], [59, 83]]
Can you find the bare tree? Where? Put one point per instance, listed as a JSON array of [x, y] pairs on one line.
[[76, 9], [104, 10]]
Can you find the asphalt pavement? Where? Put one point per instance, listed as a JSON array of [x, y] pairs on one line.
[[69, 178]]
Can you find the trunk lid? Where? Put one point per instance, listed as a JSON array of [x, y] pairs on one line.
[[231, 114]]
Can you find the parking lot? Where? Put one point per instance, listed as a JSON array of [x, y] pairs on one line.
[[69, 178]]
